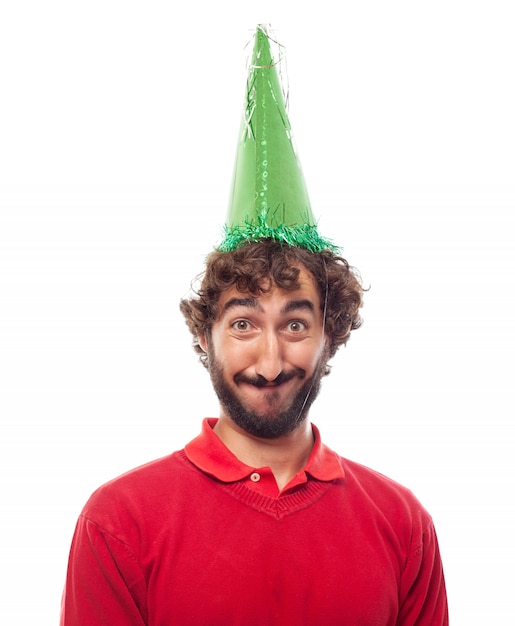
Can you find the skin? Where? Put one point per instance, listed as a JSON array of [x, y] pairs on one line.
[[278, 341]]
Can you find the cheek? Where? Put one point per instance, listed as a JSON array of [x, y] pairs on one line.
[[306, 356], [233, 355]]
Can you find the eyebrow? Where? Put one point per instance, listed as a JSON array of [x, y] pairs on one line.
[[296, 305], [252, 303], [246, 302]]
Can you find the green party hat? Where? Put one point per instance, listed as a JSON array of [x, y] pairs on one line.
[[269, 198]]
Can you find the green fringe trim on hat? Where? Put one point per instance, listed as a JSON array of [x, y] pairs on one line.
[[301, 235]]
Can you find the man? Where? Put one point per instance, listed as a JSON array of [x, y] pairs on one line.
[[256, 522]]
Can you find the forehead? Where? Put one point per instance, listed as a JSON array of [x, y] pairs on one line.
[[306, 290]]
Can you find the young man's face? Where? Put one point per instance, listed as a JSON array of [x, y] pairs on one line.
[[267, 355]]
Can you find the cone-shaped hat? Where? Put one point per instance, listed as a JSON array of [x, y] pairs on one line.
[[269, 197]]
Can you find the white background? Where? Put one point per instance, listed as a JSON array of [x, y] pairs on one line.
[[118, 127]]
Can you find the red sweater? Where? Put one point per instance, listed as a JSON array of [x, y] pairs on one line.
[[200, 539]]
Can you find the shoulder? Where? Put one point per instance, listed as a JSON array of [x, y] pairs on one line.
[[142, 489], [369, 488], [371, 479]]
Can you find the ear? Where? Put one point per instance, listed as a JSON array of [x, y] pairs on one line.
[[202, 342]]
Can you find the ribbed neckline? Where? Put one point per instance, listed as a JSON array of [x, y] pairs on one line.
[[296, 499]]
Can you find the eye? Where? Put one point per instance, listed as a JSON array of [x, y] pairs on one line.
[[241, 325], [296, 326]]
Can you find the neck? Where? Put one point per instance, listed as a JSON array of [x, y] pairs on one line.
[[285, 456]]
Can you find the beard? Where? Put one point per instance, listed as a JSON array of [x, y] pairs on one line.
[[270, 425]]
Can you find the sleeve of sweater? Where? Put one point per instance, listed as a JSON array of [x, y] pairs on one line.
[[422, 593], [105, 584]]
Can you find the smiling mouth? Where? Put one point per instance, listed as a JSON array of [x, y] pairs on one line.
[[262, 383]]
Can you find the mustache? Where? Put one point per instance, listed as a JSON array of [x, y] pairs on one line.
[[260, 381]]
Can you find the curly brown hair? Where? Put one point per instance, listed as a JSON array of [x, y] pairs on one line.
[[257, 266]]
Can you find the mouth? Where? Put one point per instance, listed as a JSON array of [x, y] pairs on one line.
[[260, 382], [268, 395]]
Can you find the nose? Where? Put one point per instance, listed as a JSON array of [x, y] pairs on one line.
[[270, 358]]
